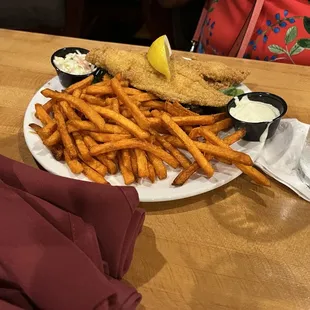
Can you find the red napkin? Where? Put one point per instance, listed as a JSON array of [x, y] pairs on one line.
[[59, 238]]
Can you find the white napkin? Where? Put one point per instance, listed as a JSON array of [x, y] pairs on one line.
[[280, 156]]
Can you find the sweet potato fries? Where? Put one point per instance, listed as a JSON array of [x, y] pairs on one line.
[[111, 127]]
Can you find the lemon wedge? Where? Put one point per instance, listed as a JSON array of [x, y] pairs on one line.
[[159, 54]]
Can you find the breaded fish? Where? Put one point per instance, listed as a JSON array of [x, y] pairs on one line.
[[192, 82]]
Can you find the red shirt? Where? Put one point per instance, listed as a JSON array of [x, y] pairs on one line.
[[282, 32]]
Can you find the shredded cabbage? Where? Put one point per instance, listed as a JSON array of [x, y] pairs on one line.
[[74, 63]]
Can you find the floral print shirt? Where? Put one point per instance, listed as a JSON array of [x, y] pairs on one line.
[[282, 32]]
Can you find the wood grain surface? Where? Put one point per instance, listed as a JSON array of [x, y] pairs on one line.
[[238, 247]]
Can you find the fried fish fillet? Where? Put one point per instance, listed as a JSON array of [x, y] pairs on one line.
[[192, 82]]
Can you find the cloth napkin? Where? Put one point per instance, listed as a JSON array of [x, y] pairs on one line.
[[281, 154], [62, 241]]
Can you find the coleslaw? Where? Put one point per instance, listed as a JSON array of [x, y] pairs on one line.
[[74, 63]]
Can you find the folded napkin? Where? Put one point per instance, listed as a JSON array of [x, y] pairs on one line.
[[281, 153], [61, 240]]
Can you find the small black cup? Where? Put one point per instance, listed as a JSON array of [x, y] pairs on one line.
[[255, 130], [66, 79]]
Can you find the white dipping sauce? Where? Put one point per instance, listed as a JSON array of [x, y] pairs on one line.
[[253, 111]]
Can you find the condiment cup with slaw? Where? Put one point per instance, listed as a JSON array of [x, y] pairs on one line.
[[71, 65], [256, 112]]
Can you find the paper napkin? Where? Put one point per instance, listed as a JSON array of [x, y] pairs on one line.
[[281, 154]]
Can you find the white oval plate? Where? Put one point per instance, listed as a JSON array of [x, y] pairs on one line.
[[148, 192]]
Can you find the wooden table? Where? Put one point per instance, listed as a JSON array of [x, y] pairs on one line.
[[238, 247]]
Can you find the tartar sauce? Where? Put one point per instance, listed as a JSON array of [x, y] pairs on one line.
[[253, 111], [74, 63]]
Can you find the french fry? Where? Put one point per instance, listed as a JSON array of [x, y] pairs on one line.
[[111, 166], [94, 100], [193, 120], [68, 111], [172, 109], [220, 116], [126, 159], [102, 83], [130, 91], [108, 137], [123, 121], [129, 103], [49, 129], [79, 104], [115, 105], [77, 125], [56, 150], [93, 175], [146, 113], [53, 139], [96, 165], [109, 101], [226, 154], [118, 76], [253, 173], [109, 163], [125, 83], [99, 90], [143, 171], [229, 140], [144, 108], [180, 157], [126, 113], [143, 97], [234, 137], [160, 169], [81, 84], [42, 115], [106, 77], [225, 124], [134, 164], [75, 166], [190, 144], [155, 121], [48, 106], [187, 129], [185, 174], [156, 113], [134, 143], [65, 137], [159, 127], [72, 128], [111, 155], [175, 141], [77, 93], [213, 150], [159, 105], [81, 146], [215, 128], [186, 120], [127, 174], [152, 174], [182, 110]]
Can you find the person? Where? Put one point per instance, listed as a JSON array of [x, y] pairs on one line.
[[268, 30]]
